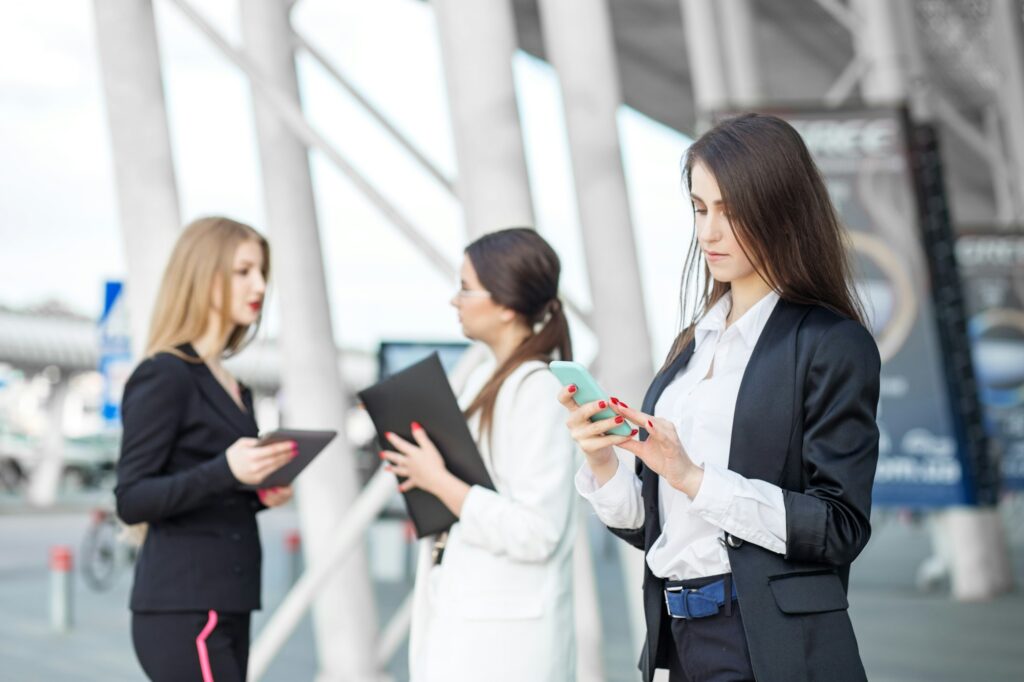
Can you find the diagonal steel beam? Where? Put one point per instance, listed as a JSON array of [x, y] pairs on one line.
[[325, 63], [313, 139]]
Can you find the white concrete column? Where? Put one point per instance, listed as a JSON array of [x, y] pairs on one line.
[[977, 551], [147, 195], [704, 53], [579, 44], [880, 43], [344, 613], [478, 40], [1008, 52], [739, 40], [45, 478]]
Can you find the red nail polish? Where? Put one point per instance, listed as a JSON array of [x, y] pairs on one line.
[[416, 426], [388, 434], [262, 495], [623, 404], [618, 420], [602, 404], [382, 455], [615, 401], [633, 432], [572, 388], [650, 424]]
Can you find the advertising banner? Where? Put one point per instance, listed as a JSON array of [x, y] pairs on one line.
[[992, 270]]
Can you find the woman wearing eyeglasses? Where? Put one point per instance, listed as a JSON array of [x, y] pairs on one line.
[[758, 445], [494, 599]]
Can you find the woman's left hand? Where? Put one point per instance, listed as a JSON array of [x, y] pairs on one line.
[[275, 497], [419, 463], [662, 452]]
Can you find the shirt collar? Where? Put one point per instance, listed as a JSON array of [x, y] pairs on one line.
[[749, 326], [714, 320]]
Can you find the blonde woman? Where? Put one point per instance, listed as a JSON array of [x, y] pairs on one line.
[[189, 443], [495, 602]]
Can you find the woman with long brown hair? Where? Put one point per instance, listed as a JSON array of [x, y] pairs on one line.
[[758, 444], [494, 600], [188, 446]]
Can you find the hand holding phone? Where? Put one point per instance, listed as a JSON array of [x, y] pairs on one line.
[[587, 391]]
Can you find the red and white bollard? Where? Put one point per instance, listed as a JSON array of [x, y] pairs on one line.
[[293, 547], [61, 588]]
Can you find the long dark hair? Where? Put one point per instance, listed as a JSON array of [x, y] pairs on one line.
[[521, 271], [782, 217]]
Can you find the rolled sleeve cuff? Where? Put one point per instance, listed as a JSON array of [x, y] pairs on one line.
[[616, 501], [715, 495], [751, 510]]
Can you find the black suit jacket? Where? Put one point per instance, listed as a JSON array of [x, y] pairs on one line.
[[805, 421], [202, 549]]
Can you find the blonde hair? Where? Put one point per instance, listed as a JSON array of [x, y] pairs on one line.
[[205, 251]]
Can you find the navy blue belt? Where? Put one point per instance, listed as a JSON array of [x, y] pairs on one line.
[[697, 602]]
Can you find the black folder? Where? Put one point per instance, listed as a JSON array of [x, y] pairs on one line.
[[421, 393]]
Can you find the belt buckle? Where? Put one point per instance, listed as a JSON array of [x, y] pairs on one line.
[[686, 592], [668, 607]]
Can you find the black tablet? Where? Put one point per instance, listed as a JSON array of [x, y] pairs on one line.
[[310, 444]]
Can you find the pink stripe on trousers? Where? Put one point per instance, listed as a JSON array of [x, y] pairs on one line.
[[204, 655]]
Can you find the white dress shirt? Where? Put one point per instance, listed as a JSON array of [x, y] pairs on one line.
[[702, 407]]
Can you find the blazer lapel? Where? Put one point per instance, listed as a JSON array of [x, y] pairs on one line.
[[763, 421], [241, 421]]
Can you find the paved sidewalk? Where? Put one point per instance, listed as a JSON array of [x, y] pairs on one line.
[[905, 636]]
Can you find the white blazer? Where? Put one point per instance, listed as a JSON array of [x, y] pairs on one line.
[[499, 606]]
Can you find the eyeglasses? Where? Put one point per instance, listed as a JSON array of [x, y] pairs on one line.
[[472, 293]]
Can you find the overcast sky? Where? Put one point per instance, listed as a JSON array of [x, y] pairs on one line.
[[59, 233]]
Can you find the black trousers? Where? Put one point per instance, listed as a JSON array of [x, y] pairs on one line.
[[192, 646], [712, 649]]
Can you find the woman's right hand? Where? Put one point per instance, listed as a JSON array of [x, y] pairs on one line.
[[250, 463], [592, 437]]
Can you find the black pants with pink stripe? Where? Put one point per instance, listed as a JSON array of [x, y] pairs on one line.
[[192, 645]]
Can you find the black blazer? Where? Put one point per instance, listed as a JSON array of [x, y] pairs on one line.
[[202, 549], [805, 420]]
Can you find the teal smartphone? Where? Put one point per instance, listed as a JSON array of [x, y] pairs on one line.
[[587, 390]]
